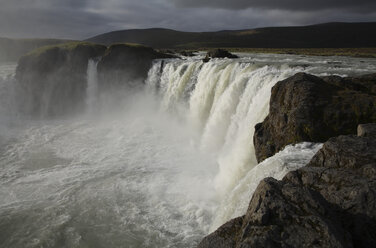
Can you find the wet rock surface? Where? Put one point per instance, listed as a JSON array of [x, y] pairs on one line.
[[329, 203], [308, 108]]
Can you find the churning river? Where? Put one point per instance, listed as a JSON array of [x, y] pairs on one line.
[[161, 167]]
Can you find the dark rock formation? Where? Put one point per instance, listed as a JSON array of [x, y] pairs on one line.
[[50, 75], [308, 108], [187, 53], [225, 236], [219, 53], [126, 64], [329, 203]]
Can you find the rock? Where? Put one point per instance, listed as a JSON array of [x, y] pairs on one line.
[[127, 64], [308, 108], [219, 53], [224, 237], [206, 59], [330, 202], [48, 76], [166, 51], [367, 130], [187, 53]]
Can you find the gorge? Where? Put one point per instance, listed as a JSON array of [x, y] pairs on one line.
[[126, 145]]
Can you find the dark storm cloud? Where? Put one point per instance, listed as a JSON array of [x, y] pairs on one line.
[[79, 19], [302, 5]]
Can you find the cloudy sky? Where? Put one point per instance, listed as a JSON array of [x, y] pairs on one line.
[[79, 19]]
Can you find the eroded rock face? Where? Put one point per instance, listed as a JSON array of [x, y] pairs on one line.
[[308, 108], [126, 64], [49, 76], [329, 203]]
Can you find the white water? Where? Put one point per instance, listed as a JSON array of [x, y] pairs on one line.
[[92, 86], [160, 168]]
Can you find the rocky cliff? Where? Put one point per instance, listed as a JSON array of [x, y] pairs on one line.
[[308, 108], [50, 75], [127, 64], [330, 202]]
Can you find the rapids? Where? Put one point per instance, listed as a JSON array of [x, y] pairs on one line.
[[158, 168]]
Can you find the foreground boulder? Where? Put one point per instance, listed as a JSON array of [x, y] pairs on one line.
[[50, 75], [329, 203], [308, 108], [127, 64]]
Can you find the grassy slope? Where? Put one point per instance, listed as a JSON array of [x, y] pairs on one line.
[[348, 39], [330, 35], [368, 52]]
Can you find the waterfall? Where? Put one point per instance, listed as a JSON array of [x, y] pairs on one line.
[[156, 168], [222, 100], [92, 85], [9, 116]]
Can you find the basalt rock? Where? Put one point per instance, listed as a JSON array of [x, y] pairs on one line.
[[309, 108], [330, 202], [48, 76], [127, 64], [219, 53]]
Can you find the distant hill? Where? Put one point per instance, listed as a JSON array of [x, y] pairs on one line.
[[328, 35], [12, 49]]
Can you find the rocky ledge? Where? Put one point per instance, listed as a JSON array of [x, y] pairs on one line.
[[127, 64], [49, 75], [309, 108], [331, 202]]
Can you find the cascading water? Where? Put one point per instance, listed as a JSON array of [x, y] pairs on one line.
[[228, 100], [92, 86], [159, 168]]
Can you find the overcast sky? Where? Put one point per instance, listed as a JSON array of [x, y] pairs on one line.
[[79, 19]]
